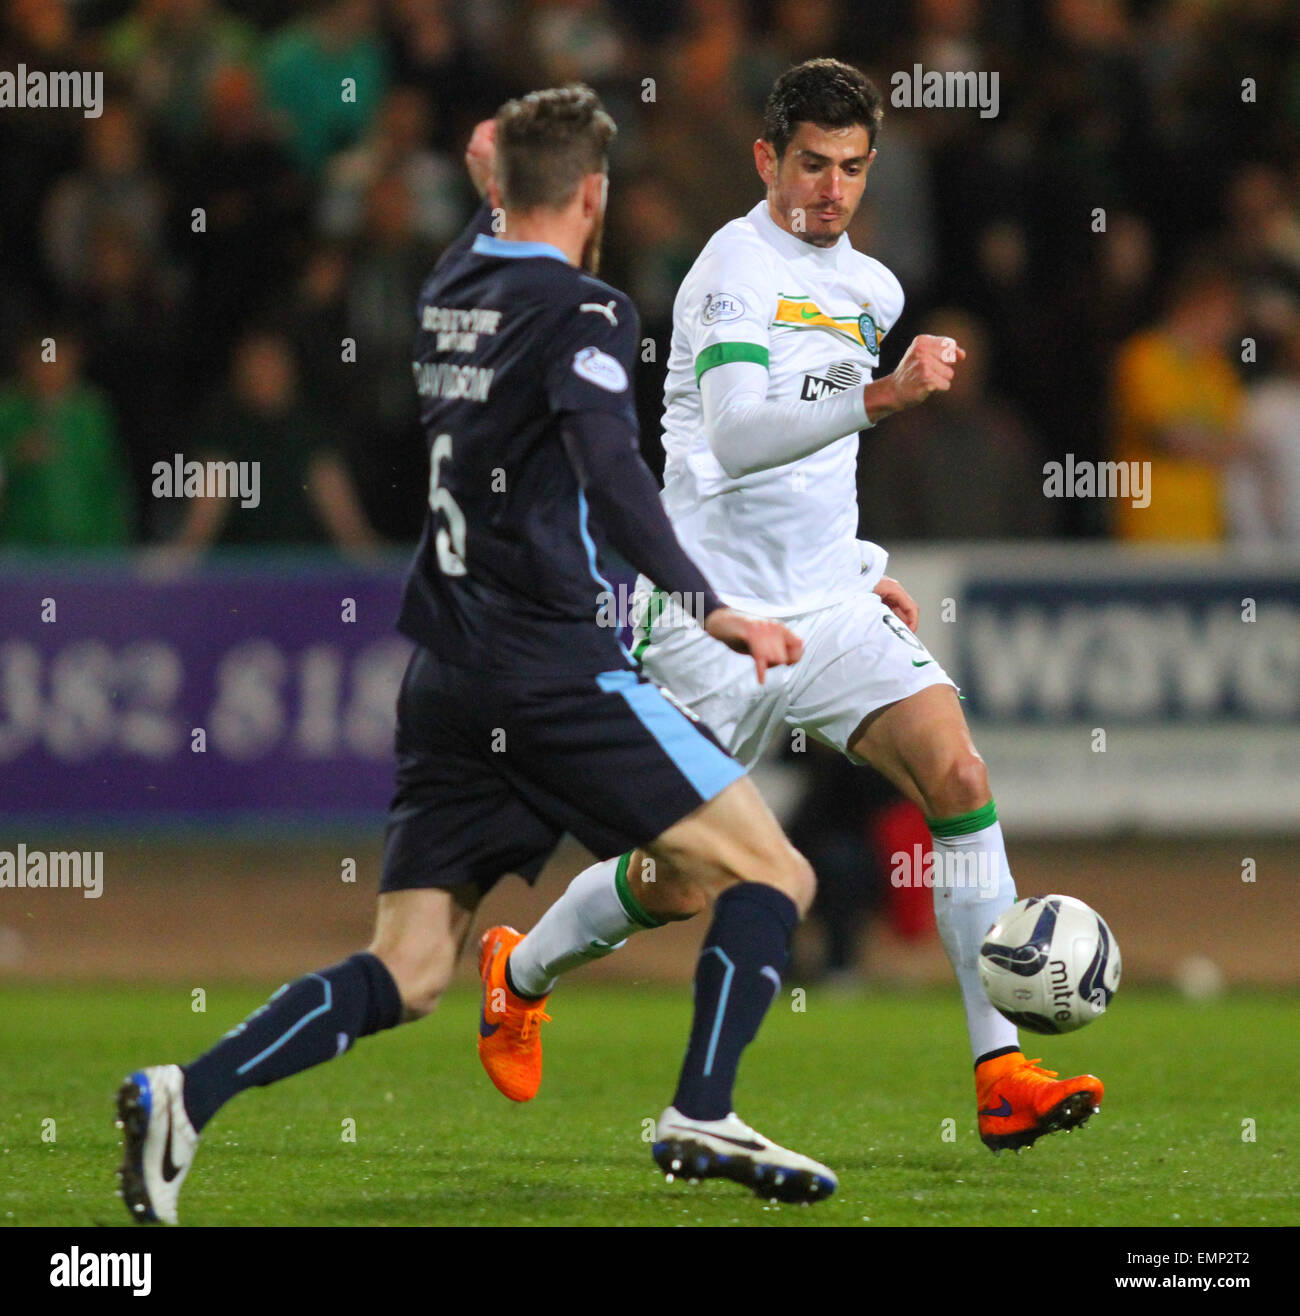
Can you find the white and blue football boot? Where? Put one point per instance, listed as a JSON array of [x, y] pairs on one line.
[[159, 1142], [729, 1149]]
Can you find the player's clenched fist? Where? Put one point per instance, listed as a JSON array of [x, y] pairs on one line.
[[767, 642], [927, 367]]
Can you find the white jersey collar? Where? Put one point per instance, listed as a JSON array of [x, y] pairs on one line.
[[791, 247]]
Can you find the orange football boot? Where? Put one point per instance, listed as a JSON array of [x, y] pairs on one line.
[[1019, 1101], [509, 1044]]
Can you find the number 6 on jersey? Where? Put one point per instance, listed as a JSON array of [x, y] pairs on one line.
[[450, 539]]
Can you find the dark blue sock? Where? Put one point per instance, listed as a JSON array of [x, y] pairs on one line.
[[303, 1024], [737, 978]]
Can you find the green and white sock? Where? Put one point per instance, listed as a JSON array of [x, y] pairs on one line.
[[595, 915], [973, 885]]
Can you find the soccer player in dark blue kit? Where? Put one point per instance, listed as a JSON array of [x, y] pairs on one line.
[[521, 716]]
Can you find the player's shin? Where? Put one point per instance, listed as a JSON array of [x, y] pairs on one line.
[[972, 886], [736, 981], [593, 918], [305, 1023]]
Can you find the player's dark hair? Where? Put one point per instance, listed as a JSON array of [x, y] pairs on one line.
[[825, 92], [547, 142]]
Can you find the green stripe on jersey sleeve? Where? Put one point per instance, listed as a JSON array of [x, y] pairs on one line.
[[720, 353]]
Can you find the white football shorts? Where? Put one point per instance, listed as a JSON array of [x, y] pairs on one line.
[[857, 657]]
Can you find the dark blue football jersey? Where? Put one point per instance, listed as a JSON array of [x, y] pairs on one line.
[[510, 339]]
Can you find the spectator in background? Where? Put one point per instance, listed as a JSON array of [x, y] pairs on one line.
[[577, 41], [1103, 103], [1167, 51], [37, 147], [1256, 39], [43, 32], [896, 221], [999, 288], [440, 199], [431, 49], [318, 327], [327, 74], [1263, 495], [973, 181], [855, 828], [830, 828], [389, 263], [657, 252], [702, 145], [1178, 406], [63, 481], [1103, 301], [961, 467], [583, 41], [801, 29], [133, 332], [306, 493], [1263, 235], [390, 461], [115, 184], [253, 205], [166, 52], [1114, 292]]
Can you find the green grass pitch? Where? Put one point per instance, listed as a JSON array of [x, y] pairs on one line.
[[1200, 1124]]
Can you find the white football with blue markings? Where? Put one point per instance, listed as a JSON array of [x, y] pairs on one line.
[[1050, 964]]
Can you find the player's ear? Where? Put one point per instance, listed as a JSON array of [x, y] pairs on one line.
[[765, 161], [594, 190]]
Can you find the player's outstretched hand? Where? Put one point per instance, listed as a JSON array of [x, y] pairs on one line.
[[901, 603], [481, 155], [766, 641], [926, 367]]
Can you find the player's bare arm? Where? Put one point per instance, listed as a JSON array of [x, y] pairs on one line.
[[768, 642]]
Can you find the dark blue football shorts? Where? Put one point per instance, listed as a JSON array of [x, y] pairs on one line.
[[492, 769]]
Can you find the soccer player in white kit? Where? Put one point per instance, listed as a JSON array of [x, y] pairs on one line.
[[776, 335]]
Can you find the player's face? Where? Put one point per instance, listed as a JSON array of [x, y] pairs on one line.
[[815, 187]]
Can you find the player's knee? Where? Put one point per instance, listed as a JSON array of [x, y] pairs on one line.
[[804, 889], [962, 787], [792, 874]]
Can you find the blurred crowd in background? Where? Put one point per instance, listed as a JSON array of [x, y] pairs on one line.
[[1176, 121], [226, 261]]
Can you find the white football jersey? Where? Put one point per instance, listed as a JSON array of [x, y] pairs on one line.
[[784, 540]]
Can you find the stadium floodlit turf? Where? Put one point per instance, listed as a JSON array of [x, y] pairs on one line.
[[1200, 1124]]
